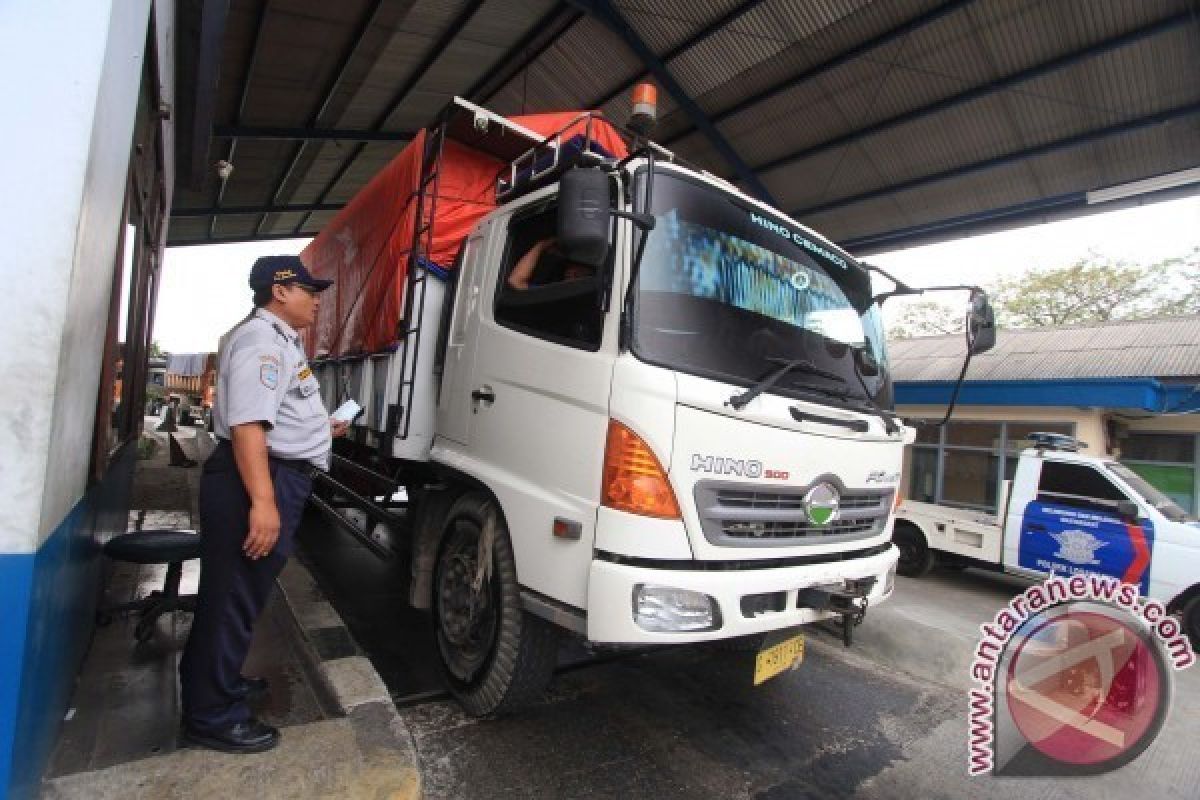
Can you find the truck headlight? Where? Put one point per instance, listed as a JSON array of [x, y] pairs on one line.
[[661, 609]]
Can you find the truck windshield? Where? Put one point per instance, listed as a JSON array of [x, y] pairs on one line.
[[1161, 502], [726, 291]]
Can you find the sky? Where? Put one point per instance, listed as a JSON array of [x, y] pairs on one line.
[[204, 290]]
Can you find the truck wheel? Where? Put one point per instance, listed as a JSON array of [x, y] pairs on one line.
[[916, 559], [497, 657], [1191, 621]]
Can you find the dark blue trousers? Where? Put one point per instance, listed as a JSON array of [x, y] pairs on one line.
[[233, 588]]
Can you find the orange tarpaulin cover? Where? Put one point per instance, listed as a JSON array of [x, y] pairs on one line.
[[365, 248]]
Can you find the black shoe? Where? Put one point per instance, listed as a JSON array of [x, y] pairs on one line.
[[250, 687], [250, 736]]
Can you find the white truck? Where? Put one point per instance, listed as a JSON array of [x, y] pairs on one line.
[[691, 442], [1066, 513]]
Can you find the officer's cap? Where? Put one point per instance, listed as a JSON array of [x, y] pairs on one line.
[[284, 270]]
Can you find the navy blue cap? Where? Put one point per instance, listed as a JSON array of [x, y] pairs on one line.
[[284, 270]]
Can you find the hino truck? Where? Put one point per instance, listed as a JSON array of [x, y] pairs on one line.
[[1067, 513], [678, 430]]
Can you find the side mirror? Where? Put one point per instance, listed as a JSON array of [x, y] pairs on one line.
[[583, 216], [1128, 509], [981, 324]]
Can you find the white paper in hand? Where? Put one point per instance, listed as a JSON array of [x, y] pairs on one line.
[[347, 411]]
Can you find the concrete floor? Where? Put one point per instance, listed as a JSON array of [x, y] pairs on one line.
[[886, 719], [120, 739]]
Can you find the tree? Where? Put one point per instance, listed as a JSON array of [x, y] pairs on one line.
[[1096, 289], [1093, 289], [1090, 290], [926, 318], [1181, 289]]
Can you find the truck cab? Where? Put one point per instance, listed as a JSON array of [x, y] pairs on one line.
[[1072, 513], [639, 496]]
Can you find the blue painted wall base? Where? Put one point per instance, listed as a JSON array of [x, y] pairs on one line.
[[49, 606]]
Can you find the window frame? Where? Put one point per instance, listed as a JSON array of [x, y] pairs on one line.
[[1194, 464], [1002, 453], [543, 206], [1086, 502]]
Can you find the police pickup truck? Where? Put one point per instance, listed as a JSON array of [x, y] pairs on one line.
[[1066, 513]]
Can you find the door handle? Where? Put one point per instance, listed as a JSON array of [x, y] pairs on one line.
[[483, 394], [1037, 526]]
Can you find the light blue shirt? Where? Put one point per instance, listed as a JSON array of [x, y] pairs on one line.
[[263, 376]]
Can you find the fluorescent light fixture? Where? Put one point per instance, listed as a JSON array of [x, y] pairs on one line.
[[1171, 180]]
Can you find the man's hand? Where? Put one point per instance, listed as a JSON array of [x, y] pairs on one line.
[[264, 530], [250, 453], [338, 427]]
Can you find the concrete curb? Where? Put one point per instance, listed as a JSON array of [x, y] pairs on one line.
[[348, 678]]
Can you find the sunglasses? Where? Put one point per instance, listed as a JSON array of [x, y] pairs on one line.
[[308, 289]]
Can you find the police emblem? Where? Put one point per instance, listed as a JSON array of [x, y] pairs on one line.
[[268, 375], [1078, 547]]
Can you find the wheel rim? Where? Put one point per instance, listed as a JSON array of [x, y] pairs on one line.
[[467, 619]]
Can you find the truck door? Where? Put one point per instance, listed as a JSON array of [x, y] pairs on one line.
[[1074, 525], [539, 406], [454, 406]]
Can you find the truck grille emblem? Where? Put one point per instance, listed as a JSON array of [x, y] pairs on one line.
[[821, 503]]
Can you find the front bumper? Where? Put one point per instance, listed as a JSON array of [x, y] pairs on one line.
[[611, 586]]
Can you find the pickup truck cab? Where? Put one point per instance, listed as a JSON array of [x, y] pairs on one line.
[[1066, 513]]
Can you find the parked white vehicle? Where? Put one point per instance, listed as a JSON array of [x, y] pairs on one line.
[[1066, 513], [693, 442]]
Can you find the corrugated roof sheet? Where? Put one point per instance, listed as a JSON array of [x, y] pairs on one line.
[[1159, 348], [865, 62]]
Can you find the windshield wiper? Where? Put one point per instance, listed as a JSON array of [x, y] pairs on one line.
[[740, 401]]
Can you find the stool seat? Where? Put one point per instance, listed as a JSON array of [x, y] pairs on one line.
[[154, 546]]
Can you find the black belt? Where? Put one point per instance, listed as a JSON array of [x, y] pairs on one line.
[[298, 464]]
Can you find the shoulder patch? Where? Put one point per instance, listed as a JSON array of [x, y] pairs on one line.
[[268, 374], [269, 358]]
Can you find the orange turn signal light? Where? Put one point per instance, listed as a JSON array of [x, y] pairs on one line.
[[634, 480]]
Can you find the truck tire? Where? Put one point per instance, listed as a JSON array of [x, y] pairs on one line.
[[916, 559], [497, 657], [1191, 621]]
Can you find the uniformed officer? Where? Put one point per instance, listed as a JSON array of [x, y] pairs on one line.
[[272, 430]]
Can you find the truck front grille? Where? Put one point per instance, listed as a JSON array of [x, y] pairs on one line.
[[737, 515]]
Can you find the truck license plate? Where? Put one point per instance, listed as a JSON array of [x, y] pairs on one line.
[[778, 658]]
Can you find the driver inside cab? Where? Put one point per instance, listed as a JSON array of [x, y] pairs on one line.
[[543, 264]]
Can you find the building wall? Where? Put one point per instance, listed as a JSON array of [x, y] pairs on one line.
[[1091, 427], [1089, 422], [75, 68]]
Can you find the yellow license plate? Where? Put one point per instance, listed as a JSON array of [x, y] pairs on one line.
[[778, 658]]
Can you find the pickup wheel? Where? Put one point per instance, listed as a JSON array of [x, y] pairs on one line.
[[496, 656], [916, 559], [1191, 621]]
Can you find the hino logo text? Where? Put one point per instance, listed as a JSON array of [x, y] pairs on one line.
[[717, 465]]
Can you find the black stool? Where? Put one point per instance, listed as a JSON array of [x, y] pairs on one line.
[[170, 547]]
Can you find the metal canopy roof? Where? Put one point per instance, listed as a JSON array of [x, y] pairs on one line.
[[878, 122]]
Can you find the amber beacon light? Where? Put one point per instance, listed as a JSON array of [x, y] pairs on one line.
[[634, 481], [644, 115]]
